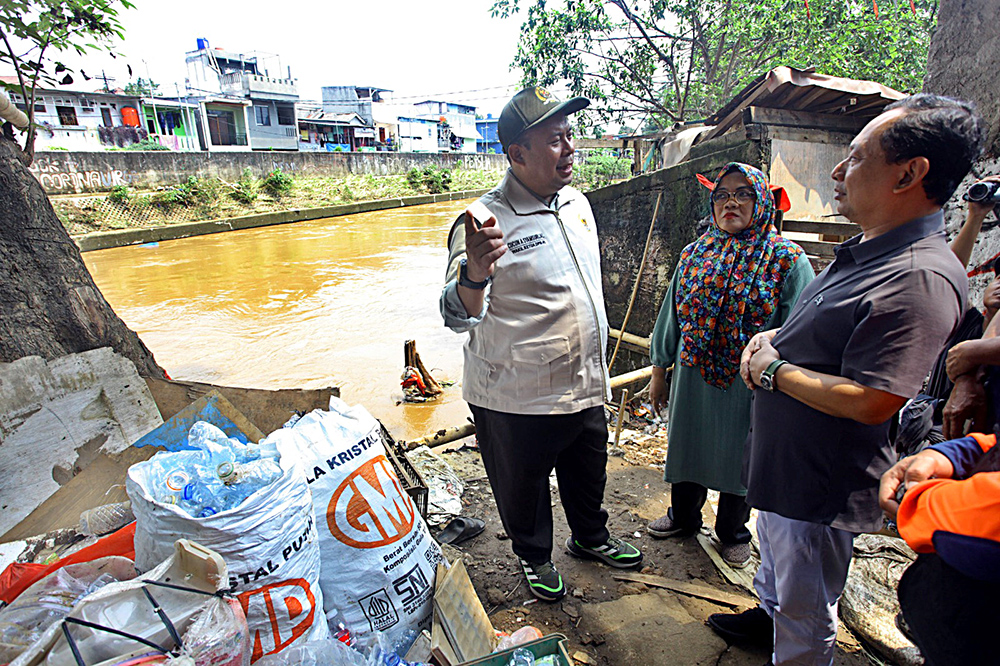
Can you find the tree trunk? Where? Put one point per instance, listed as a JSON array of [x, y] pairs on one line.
[[964, 59], [49, 303]]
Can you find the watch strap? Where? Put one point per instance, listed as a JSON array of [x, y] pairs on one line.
[[463, 277], [771, 370]]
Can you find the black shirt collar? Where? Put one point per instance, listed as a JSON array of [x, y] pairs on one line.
[[901, 236]]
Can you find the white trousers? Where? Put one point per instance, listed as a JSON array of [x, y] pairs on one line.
[[803, 569]]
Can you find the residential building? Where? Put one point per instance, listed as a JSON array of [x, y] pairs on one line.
[[490, 141], [78, 120], [331, 132], [456, 124], [418, 135], [171, 122], [242, 106], [362, 100]]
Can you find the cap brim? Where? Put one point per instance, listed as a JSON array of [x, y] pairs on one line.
[[569, 106]]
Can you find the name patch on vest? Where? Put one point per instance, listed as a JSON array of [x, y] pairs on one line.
[[526, 243]]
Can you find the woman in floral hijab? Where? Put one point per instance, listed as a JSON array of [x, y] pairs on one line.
[[736, 280]]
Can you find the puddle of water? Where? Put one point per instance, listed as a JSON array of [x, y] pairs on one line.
[[320, 303]]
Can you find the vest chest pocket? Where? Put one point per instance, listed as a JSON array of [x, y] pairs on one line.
[[543, 366]]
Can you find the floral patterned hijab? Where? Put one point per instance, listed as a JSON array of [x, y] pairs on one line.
[[730, 284]]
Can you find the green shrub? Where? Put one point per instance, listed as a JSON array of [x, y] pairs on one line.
[[598, 169], [146, 144], [246, 189], [120, 194], [278, 184], [431, 178]]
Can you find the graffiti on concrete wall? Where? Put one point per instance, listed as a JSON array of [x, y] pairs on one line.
[[58, 176]]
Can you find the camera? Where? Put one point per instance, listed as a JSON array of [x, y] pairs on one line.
[[984, 192]]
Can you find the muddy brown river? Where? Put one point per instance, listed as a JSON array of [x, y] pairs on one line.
[[321, 303]]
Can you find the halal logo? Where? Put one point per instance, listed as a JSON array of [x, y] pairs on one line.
[[379, 610], [370, 509], [542, 94]]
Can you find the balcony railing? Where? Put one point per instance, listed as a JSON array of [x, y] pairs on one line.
[[246, 84]]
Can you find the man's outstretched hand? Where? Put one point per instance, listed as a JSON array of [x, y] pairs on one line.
[[483, 246]]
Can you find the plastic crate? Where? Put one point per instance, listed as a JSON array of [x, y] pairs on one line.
[[543, 647], [408, 475]]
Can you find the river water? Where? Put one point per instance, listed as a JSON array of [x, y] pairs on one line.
[[320, 303]]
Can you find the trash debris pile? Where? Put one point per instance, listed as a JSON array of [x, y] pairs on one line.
[[200, 541]]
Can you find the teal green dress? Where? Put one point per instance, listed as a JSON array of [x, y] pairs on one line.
[[707, 426]]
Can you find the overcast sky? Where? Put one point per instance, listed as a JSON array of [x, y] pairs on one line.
[[419, 49]]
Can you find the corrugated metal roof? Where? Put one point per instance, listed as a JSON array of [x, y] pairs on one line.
[[806, 90]]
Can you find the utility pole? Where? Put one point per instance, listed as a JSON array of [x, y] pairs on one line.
[[152, 100]]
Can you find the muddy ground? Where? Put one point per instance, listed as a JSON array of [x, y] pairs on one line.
[[614, 623]]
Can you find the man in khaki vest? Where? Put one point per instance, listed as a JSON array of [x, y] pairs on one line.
[[525, 281]]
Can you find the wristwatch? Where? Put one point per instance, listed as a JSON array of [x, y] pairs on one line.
[[463, 277], [768, 379]]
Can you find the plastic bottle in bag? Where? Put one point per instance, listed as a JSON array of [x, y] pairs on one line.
[[105, 519], [521, 657]]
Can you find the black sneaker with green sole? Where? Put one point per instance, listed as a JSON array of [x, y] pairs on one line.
[[614, 552], [544, 581]]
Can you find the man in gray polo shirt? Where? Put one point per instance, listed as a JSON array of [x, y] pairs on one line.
[[857, 346]]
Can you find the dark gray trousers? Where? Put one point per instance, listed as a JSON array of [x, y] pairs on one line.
[[520, 451]]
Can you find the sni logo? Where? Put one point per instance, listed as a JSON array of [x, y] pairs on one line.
[[283, 605], [370, 508]]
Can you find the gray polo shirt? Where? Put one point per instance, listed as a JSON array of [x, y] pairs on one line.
[[879, 315]]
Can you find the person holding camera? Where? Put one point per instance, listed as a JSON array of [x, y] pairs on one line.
[[950, 514], [858, 344]]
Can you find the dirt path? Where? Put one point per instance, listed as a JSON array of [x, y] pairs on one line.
[[615, 623]]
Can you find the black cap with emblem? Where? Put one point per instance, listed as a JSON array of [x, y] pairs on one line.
[[530, 107]]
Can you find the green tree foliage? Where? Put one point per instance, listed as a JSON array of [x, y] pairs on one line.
[[680, 60], [49, 29], [142, 88]]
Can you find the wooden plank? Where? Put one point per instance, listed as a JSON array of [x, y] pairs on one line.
[[268, 410], [99, 483], [835, 137], [804, 119], [818, 248], [599, 143], [842, 229], [462, 616], [688, 589]]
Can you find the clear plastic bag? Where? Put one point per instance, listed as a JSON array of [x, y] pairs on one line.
[[176, 600], [52, 598], [316, 653]]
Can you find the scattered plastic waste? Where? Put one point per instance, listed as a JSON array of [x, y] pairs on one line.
[[218, 475], [521, 657], [105, 519], [335, 653], [52, 598], [519, 637], [444, 487], [550, 660]]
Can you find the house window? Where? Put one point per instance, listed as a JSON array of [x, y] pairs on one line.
[[286, 115], [67, 115], [263, 115], [106, 118]]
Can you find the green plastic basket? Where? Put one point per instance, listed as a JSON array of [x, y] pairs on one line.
[[543, 647]]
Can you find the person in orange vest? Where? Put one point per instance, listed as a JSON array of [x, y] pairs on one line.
[[946, 503]]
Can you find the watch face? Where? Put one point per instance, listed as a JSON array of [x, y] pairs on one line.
[[765, 382]]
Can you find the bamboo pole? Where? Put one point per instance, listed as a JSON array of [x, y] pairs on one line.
[[449, 435], [621, 415], [635, 287]]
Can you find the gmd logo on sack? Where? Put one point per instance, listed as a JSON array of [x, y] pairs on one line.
[[370, 509], [284, 604]]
